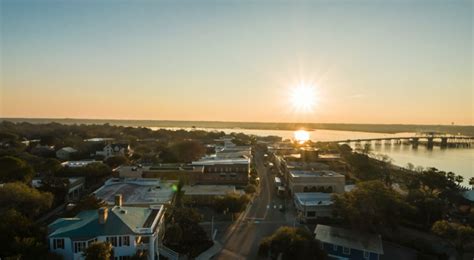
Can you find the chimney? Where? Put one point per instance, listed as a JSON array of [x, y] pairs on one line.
[[103, 213], [118, 200]]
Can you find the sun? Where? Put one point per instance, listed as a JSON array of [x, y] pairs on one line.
[[303, 97]]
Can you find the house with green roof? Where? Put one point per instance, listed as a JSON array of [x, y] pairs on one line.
[[127, 229]]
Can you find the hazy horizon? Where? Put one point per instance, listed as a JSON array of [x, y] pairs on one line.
[[370, 62]]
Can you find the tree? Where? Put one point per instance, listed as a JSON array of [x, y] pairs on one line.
[[371, 206], [367, 148], [459, 179], [98, 251], [291, 243], [89, 202], [232, 203], [186, 221], [28, 201], [457, 234], [471, 182], [14, 169], [249, 189], [115, 161], [184, 151]]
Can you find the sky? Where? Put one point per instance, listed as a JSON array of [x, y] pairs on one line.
[[400, 61]]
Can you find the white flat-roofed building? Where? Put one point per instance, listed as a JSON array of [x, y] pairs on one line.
[[137, 191], [313, 205], [78, 164], [315, 181]]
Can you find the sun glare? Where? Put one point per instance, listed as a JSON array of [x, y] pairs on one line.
[[303, 97], [301, 136]]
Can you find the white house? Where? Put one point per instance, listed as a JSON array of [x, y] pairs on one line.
[[117, 149], [127, 229]]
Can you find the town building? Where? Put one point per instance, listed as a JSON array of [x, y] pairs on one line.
[[206, 194], [115, 149], [65, 153], [315, 181], [128, 229], [312, 205], [342, 243], [231, 171], [137, 192], [169, 171]]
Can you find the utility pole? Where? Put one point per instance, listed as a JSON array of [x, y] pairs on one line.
[[212, 227]]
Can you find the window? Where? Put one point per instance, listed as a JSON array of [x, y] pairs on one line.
[[126, 241], [112, 240], [334, 247], [79, 246], [366, 255], [346, 250], [222, 174], [58, 243]]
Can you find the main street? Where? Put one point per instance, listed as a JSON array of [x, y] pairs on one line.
[[261, 219]]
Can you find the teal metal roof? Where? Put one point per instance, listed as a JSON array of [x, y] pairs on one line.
[[120, 221]]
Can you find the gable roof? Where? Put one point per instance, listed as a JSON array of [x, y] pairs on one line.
[[349, 238], [120, 221]]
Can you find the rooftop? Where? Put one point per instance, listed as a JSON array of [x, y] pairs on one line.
[[349, 238], [318, 173], [68, 149], [73, 164], [99, 139], [120, 221], [214, 160], [136, 191], [216, 190], [313, 198]]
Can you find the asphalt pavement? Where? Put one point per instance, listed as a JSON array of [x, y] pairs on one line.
[[261, 218]]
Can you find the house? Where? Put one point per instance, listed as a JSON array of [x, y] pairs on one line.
[[65, 153], [128, 229], [315, 181], [116, 149], [342, 243], [313, 205], [136, 192], [74, 185]]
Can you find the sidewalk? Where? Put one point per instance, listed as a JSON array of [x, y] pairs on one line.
[[212, 251]]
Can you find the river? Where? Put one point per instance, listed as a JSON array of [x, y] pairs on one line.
[[457, 160]]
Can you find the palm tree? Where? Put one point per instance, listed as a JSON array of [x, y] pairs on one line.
[[471, 182], [451, 176], [459, 179]]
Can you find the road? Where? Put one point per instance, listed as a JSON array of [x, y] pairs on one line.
[[261, 219]]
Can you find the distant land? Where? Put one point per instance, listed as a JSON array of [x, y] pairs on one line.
[[377, 128]]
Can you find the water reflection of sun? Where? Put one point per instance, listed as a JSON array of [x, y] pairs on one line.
[[301, 136]]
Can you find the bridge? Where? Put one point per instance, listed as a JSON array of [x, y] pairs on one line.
[[428, 139]]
